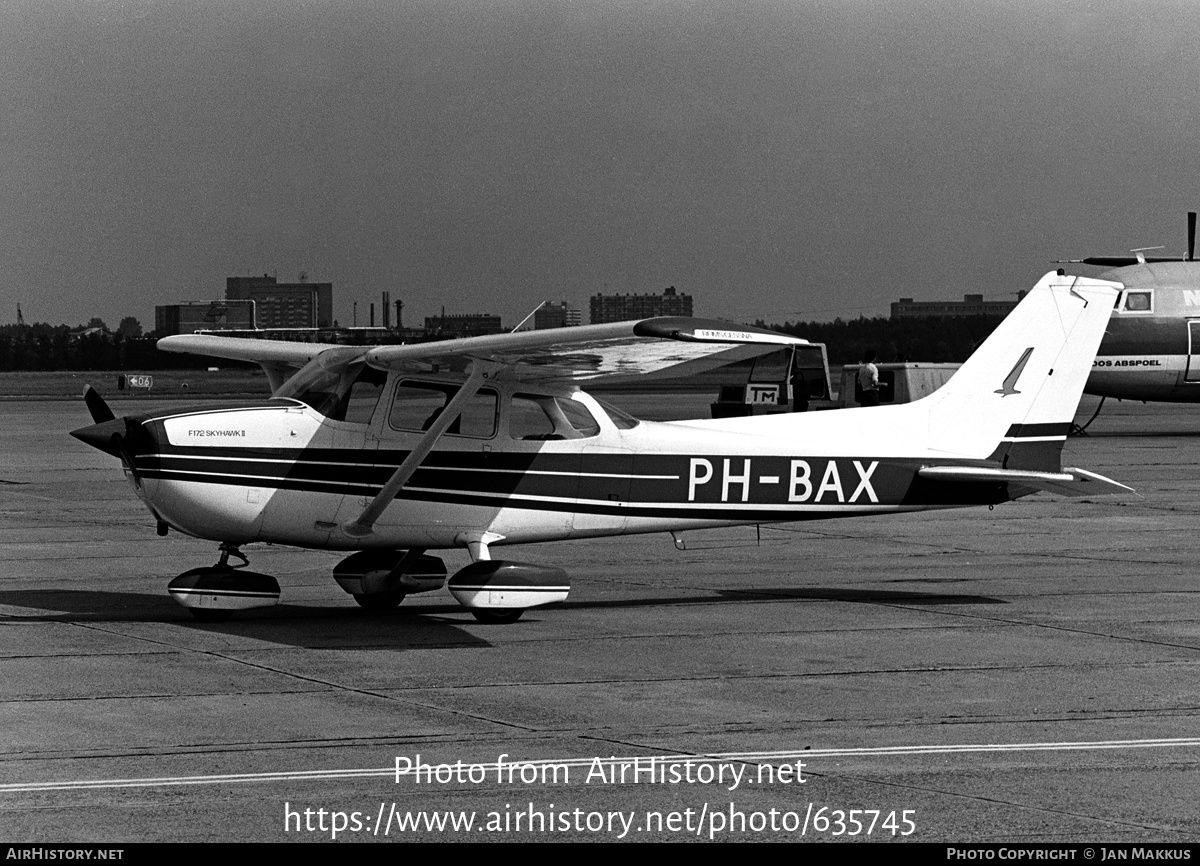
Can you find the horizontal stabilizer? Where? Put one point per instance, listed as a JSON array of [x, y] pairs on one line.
[[1069, 482]]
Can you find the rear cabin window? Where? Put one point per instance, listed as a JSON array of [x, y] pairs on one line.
[[416, 405], [579, 417], [533, 417], [625, 421]]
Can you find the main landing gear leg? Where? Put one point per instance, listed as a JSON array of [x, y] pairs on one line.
[[212, 594]]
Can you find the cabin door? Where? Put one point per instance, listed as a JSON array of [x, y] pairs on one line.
[[604, 484], [1192, 373]]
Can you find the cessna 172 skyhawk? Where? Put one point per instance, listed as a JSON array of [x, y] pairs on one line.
[[392, 451]]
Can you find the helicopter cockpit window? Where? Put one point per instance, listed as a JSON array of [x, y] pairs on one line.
[[416, 405], [534, 417], [1138, 302]]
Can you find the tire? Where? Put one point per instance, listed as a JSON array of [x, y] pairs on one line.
[[379, 601], [205, 614], [497, 617]]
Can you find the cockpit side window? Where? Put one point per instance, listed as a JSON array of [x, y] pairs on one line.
[[416, 405], [1139, 302]]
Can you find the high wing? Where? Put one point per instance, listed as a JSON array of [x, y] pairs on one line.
[[584, 353], [278, 358], [243, 349]]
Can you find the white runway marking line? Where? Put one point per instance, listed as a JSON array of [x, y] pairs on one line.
[[746, 757]]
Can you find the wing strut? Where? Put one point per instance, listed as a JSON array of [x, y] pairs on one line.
[[364, 524]]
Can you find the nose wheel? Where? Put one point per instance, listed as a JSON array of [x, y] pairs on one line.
[[497, 617], [212, 594]]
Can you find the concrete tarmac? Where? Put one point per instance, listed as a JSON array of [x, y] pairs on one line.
[[1026, 674]]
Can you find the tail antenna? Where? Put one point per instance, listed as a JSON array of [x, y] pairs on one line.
[[1191, 254]]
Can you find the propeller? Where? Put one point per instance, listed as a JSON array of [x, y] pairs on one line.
[[99, 409], [108, 433]]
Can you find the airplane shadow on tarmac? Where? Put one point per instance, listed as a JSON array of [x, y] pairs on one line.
[[68, 604], [423, 626]]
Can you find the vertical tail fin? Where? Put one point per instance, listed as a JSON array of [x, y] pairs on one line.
[[1015, 398]]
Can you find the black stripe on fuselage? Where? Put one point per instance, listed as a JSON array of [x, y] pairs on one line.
[[762, 487]]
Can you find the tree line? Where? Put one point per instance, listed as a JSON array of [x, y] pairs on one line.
[[93, 347], [45, 347], [948, 339]]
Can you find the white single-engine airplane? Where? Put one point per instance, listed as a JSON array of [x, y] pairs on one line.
[[392, 451]]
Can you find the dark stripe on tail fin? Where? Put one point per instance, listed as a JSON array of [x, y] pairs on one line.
[[1033, 447]]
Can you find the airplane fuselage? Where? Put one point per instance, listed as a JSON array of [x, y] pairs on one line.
[[282, 472], [1151, 349]]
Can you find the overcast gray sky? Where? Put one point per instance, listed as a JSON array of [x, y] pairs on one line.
[[776, 160]]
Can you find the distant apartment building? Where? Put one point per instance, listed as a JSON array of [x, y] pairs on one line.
[[186, 318], [556, 315], [463, 324], [970, 305], [284, 305], [623, 308]]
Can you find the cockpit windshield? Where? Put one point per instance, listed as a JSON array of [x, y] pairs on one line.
[[338, 384]]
